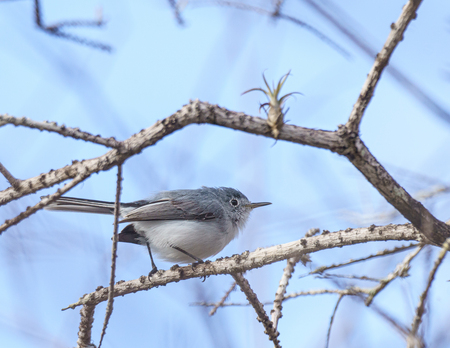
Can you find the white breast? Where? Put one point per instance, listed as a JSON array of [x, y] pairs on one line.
[[199, 238]]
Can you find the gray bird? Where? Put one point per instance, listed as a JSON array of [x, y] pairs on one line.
[[179, 225]]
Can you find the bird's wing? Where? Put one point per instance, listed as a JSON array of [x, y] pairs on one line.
[[172, 209]]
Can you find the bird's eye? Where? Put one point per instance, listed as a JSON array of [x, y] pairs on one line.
[[234, 202]]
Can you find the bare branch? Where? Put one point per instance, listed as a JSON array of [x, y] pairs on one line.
[[258, 307], [378, 254], [346, 276], [277, 9], [412, 339], [176, 11], [194, 112], [55, 29], [400, 271], [278, 14], [385, 217], [359, 155], [402, 329], [341, 142], [84, 333], [336, 17], [115, 239], [279, 295], [226, 304], [11, 179], [75, 133], [258, 258], [44, 201], [222, 300], [332, 319], [353, 291], [381, 61]]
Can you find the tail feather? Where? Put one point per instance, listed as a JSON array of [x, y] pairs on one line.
[[81, 205]]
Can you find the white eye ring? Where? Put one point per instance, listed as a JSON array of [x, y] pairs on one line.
[[234, 202]]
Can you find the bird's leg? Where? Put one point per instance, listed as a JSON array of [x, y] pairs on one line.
[[188, 254], [154, 268], [199, 260]]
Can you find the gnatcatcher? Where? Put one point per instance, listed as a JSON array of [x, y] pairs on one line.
[[179, 225]]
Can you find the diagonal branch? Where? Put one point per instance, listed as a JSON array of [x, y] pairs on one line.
[[378, 254], [278, 14], [44, 201], [336, 17], [222, 300], [258, 307], [279, 296], [56, 29], [381, 61], [421, 306], [75, 133], [195, 112], [8, 176], [332, 319], [359, 155], [400, 271]]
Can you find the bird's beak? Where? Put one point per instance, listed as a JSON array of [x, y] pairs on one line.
[[256, 205]]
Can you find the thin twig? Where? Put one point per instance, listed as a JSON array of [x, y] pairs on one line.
[[222, 300], [270, 13], [402, 329], [55, 29], [332, 319], [277, 9], [109, 305], [258, 307], [330, 275], [350, 262], [11, 179], [400, 271], [227, 304], [85, 329], [75, 133], [387, 216], [176, 11], [281, 291], [381, 61], [421, 306], [44, 201], [352, 291]]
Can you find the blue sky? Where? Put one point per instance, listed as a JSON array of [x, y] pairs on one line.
[[51, 259]]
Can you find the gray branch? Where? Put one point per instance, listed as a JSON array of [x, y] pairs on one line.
[[85, 330], [256, 259], [381, 61], [258, 307], [53, 127]]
